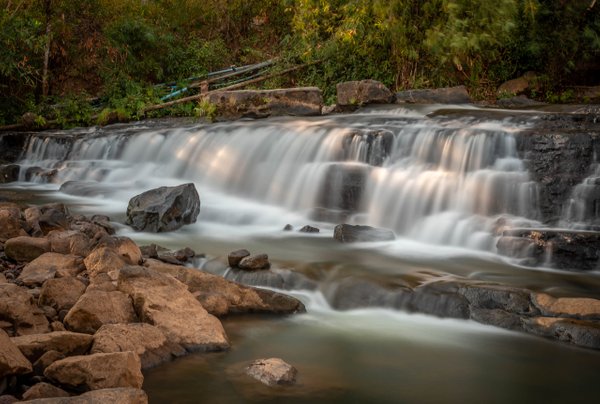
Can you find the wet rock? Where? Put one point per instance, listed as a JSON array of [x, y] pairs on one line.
[[255, 262], [343, 186], [356, 93], [12, 361], [498, 318], [71, 242], [498, 297], [25, 249], [16, 306], [574, 307], [44, 390], [50, 265], [288, 227], [309, 229], [164, 209], [347, 233], [96, 308], [272, 372], [301, 101], [9, 173], [439, 298], [351, 293], [145, 340], [61, 293], [221, 297], [562, 249], [165, 302], [97, 371], [235, 257], [520, 101], [367, 146], [46, 360], [577, 332], [65, 342], [447, 95]]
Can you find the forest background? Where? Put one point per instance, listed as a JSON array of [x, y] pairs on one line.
[[58, 55]]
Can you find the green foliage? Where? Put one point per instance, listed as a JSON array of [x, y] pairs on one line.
[[206, 109], [73, 111]]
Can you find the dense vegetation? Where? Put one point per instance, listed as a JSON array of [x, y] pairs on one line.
[[55, 55]]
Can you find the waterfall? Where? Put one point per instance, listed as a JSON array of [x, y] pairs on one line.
[[432, 180]]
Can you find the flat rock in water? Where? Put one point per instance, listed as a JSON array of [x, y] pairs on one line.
[[166, 303], [582, 333], [164, 209], [272, 372], [12, 361], [97, 371], [145, 340], [347, 233]]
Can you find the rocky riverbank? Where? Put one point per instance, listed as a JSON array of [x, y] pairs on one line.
[[84, 311]]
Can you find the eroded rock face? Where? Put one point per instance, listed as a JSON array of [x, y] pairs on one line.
[[272, 372], [164, 209], [145, 340], [302, 101], [96, 308], [12, 361], [355, 93], [165, 302], [220, 296], [25, 249], [64, 342], [448, 95], [97, 371], [347, 233], [16, 307]]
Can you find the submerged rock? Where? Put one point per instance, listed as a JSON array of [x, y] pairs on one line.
[[347, 233], [272, 372], [343, 186], [164, 209], [309, 229]]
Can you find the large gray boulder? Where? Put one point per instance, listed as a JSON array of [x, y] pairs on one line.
[[356, 93], [164, 209], [305, 101], [447, 95]]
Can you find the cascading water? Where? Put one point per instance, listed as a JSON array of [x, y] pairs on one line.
[[441, 182]]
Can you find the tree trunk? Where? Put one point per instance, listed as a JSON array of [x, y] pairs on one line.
[[45, 86]]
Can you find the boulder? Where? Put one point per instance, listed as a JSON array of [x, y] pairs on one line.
[[49, 265], [9, 173], [97, 371], [145, 340], [64, 342], [103, 260], [96, 308], [272, 372], [235, 257], [574, 307], [61, 293], [347, 233], [517, 86], [255, 262], [44, 390], [47, 359], [447, 95], [356, 93], [119, 395], [125, 247], [10, 225], [16, 307], [562, 249], [53, 219], [12, 361], [165, 302], [70, 242], [221, 297], [303, 101], [25, 249], [164, 209]]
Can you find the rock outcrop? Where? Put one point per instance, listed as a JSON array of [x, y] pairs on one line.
[[357, 93], [448, 95], [164, 209], [226, 105]]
